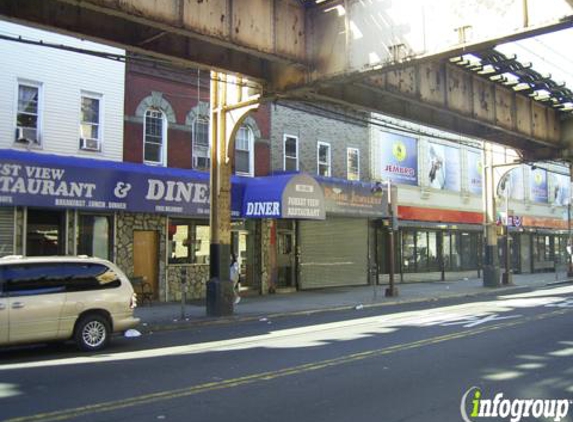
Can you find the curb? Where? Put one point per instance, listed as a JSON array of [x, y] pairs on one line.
[[150, 328]]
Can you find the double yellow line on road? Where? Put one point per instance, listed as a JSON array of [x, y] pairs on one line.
[[271, 375]]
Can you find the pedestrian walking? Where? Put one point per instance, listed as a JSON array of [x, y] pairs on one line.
[[235, 278]]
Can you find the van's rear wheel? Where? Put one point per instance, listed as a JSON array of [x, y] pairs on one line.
[[92, 333]]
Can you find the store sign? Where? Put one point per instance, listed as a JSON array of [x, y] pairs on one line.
[[538, 185], [513, 221], [293, 196], [475, 172], [398, 158], [354, 199], [444, 165], [35, 182]]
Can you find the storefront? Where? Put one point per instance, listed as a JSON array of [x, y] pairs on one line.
[[281, 202], [151, 221], [540, 245], [340, 251], [433, 244]]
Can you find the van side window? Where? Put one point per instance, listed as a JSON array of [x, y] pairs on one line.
[[40, 279], [28, 280], [91, 277]]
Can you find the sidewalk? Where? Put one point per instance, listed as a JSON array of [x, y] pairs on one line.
[[167, 316]]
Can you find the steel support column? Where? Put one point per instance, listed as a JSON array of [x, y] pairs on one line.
[[491, 256], [231, 101]]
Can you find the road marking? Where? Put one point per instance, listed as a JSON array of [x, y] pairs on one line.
[[566, 303], [474, 321], [145, 399]]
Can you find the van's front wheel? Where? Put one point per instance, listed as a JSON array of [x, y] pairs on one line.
[[92, 333]]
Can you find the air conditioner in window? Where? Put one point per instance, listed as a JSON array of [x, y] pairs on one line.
[[89, 144], [26, 135]]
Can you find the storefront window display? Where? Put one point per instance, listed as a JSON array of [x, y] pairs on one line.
[[188, 242]]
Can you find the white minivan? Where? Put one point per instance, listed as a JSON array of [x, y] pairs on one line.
[[62, 298]]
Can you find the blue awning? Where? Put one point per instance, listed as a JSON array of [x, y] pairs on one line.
[[47, 180], [283, 196]]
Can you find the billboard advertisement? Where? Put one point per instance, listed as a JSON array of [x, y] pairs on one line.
[[475, 172], [398, 158], [444, 167], [538, 185], [561, 192]]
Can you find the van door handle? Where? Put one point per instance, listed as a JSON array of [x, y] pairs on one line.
[[17, 305]]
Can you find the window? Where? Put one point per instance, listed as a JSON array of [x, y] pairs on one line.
[[244, 157], [28, 121], [201, 150], [189, 242], [409, 251], [94, 235], [323, 159], [290, 153], [155, 133], [353, 164], [469, 250], [45, 232], [41, 279], [90, 125], [433, 255]]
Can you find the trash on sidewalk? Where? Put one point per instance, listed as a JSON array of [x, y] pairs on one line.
[[263, 320], [132, 333], [359, 307]]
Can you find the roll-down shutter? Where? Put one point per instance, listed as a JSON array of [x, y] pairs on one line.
[[333, 253], [6, 231]]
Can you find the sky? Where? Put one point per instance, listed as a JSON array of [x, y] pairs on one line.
[[549, 54]]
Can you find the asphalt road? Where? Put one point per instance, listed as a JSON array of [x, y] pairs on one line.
[[402, 363]]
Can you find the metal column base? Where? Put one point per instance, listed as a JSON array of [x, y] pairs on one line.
[[507, 279], [490, 276], [220, 296], [391, 292]]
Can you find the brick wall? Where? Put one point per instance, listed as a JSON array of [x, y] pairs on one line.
[[311, 128]]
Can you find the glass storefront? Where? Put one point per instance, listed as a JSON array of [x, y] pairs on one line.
[[433, 250]]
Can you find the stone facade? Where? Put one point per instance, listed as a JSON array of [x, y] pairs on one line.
[[127, 223], [195, 278], [311, 128]]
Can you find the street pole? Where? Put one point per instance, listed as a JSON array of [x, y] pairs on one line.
[[491, 256], [569, 240], [391, 291], [507, 276], [230, 102], [569, 243]]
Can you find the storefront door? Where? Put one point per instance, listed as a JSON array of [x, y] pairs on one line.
[[145, 257], [286, 263]]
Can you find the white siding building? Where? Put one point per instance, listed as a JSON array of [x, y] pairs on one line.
[[57, 101], [56, 105]]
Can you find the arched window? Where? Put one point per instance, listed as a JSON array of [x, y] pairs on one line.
[[155, 136], [244, 152], [201, 151]]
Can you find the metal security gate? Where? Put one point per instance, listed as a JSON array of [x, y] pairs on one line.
[[6, 231], [333, 253]]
